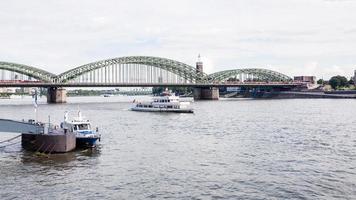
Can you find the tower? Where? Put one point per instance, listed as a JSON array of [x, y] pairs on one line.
[[199, 65]]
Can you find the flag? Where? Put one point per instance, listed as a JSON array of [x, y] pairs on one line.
[[35, 99]]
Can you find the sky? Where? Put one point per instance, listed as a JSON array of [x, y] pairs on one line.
[[294, 37]]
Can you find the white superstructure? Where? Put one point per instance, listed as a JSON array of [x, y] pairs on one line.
[[82, 129]]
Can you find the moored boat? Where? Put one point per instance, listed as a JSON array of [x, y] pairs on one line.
[[108, 95], [85, 135]]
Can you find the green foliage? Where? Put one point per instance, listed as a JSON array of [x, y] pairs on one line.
[[5, 95], [176, 90], [81, 92], [338, 81], [320, 82], [157, 90]]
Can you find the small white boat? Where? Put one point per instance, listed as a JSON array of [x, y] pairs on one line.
[[108, 95], [166, 103]]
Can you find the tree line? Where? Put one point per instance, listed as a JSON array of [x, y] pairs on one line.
[[337, 82]]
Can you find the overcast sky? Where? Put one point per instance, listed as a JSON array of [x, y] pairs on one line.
[[295, 37]]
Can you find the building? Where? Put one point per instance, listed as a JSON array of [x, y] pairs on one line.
[[7, 90], [305, 79]]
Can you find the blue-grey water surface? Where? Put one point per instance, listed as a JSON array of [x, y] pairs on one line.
[[228, 149]]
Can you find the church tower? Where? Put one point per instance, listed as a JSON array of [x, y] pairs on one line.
[[199, 65]]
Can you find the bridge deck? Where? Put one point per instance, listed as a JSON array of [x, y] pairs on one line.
[[248, 84]]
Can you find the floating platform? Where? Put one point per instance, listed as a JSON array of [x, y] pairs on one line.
[[48, 143], [35, 138]]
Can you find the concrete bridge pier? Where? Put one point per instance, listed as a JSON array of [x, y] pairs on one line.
[[56, 95], [206, 93]]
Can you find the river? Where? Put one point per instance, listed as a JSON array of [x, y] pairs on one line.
[[227, 149]]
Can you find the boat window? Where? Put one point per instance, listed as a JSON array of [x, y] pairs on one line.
[[83, 126], [169, 100], [169, 106], [150, 106]]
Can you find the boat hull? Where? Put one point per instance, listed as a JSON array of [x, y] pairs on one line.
[[163, 110], [86, 142], [48, 143]]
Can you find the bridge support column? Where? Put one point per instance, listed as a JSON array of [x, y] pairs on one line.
[[210, 93], [56, 95]]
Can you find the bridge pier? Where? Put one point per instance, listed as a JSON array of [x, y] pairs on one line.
[[56, 95], [206, 93]]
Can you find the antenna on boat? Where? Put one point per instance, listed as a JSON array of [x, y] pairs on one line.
[[79, 115], [66, 116]]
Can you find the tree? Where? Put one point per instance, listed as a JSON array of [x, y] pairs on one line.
[[176, 90], [338, 81], [351, 81], [157, 90], [343, 81], [320, 82]]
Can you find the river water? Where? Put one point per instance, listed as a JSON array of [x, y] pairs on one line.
[[227, 149]]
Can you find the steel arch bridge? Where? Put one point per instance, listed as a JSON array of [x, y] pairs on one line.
[[133, 69], [138, 70], [26, 70], [250, 74]]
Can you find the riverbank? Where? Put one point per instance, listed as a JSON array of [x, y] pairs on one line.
[[291, 94], [295, 95]]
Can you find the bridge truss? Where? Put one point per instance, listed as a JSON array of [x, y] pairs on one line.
[[15, 71], [133, 69], [252, 74], [139, 70]]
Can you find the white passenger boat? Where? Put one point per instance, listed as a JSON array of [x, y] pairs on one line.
[[108, 95], [166, 103]]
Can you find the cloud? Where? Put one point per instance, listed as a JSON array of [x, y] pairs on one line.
[[286, 35]]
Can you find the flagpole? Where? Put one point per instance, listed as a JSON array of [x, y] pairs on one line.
[[36, 115], [35, 104]]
